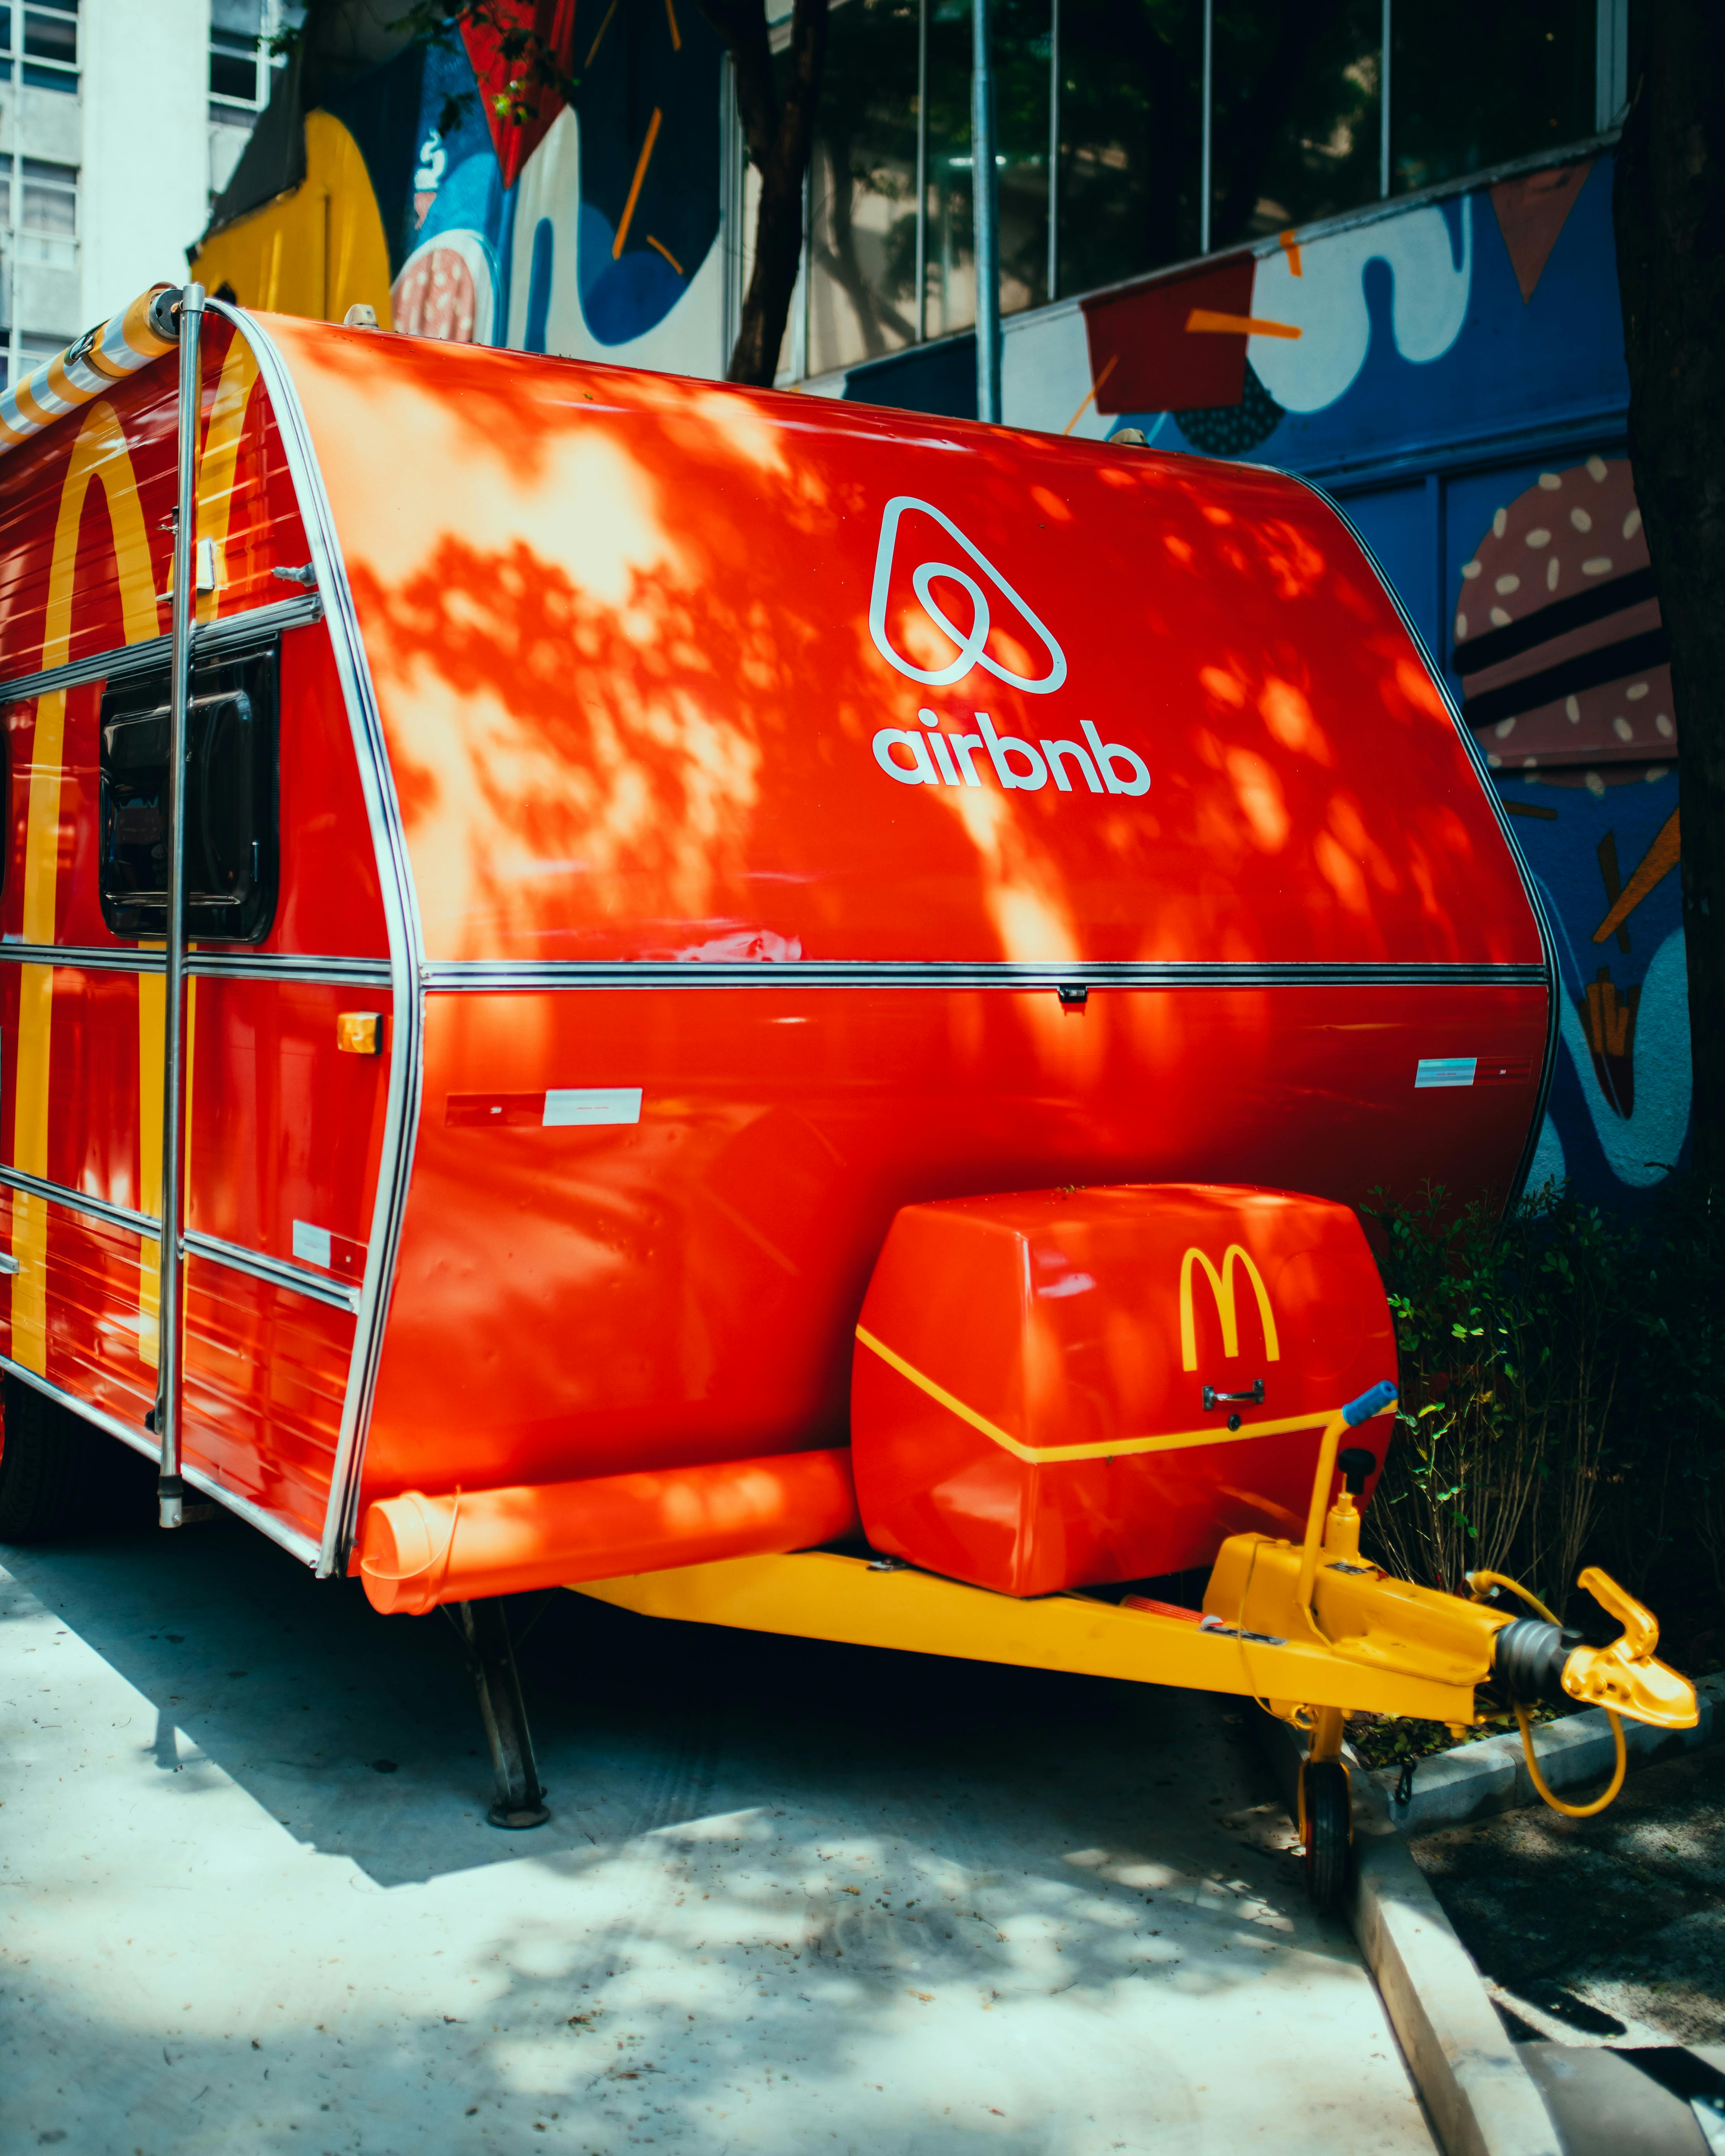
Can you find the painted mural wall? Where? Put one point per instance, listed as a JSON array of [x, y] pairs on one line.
[[1452, 372]]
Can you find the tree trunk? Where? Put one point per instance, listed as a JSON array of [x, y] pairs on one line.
[[778, 126], [1669, 208]]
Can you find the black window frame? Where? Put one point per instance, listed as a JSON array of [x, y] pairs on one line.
[[242, 909]]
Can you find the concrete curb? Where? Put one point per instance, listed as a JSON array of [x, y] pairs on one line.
[[1475, 1780], [1481, 2098]]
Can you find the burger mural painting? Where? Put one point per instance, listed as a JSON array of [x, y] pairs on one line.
[[1449, 365]]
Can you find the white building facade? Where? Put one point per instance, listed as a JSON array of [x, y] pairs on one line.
[[118, 121]]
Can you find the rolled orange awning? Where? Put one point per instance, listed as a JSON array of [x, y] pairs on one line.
[[417, 1551]]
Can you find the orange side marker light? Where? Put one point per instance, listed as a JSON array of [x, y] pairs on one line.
[[359, 1033]]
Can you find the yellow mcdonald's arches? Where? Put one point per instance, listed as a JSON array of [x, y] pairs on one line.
[[1222, 1287], [218, 465], [99, 455], [315, 252]]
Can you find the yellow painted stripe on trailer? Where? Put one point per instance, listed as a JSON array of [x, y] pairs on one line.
[[1116, 1448], [99, 453], [218, 466]]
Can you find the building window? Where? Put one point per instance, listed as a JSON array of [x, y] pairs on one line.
[[38, 45], [46, 217], [1130, 134], [241, 74], [38, 232], [1451, 116]]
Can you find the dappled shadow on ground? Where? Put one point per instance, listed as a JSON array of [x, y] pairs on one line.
[[793, 1895]]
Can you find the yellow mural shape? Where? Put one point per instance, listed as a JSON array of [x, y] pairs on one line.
[[316, 252]]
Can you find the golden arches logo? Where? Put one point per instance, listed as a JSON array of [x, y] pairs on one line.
[[101, 457], [1222, 1288]]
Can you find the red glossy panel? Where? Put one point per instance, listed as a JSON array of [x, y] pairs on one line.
[[1095, 1318], [329, 902], [94, 1124], [587, 1301], [266, 1371], [635, 689], [93, 1281], [284, 1126]]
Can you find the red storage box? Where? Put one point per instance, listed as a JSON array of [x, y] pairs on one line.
[[1031, 1372]]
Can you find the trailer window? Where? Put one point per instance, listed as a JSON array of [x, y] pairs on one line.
[[230, 803]]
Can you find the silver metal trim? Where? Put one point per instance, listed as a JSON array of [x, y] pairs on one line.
[[291, 1539], [8, 1264], [286, 966], [188, 411], [483, 976], [401, 913], [132, 1434], [277, 1272], [79, 1201], [209, 639], [1548, 973], [207, 965], [84, 958], [296, 1544]]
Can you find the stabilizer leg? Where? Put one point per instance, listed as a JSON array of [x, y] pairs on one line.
[[521, 1799]]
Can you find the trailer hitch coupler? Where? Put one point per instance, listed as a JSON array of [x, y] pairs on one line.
[[1529, 1656]]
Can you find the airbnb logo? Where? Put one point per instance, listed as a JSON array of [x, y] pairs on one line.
[[998, 632], [912, 757], [971, 644]]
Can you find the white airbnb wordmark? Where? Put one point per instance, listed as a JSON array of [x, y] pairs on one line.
[[971, 642]]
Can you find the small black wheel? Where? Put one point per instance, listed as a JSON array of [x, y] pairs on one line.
[[1329, 1830], [44, 1460]]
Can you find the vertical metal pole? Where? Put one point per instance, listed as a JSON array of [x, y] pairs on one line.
[[1384, 109], [923, 171], [1203, 174], [170, 1489], [983, 208], [1054, 150]]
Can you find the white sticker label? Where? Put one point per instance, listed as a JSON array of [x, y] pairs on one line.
[[311, 1245], [593, 1103], [1445, 1070]]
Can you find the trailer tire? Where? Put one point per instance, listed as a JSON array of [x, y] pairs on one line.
[[1328, 1805], [45, 1463]]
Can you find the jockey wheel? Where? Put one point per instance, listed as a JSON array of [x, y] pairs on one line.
[[1326, 1812]]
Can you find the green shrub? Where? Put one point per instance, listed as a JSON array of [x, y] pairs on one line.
[[1563, 1398]]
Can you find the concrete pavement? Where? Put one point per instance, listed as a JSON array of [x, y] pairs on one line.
[[792, 1897]]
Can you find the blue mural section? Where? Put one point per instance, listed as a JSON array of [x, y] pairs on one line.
[[582, 229]]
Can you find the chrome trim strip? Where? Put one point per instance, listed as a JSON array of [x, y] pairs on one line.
[[1547, 943], [132, 1434], [140, 1439], [296, 1544], [84, 958], [277, 1272], [402, 914], [288, 966], [485, 976], [240, 964], [78, 1201], [209, 639]]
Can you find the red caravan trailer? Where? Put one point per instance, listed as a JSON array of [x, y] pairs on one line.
[[641, 837]]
